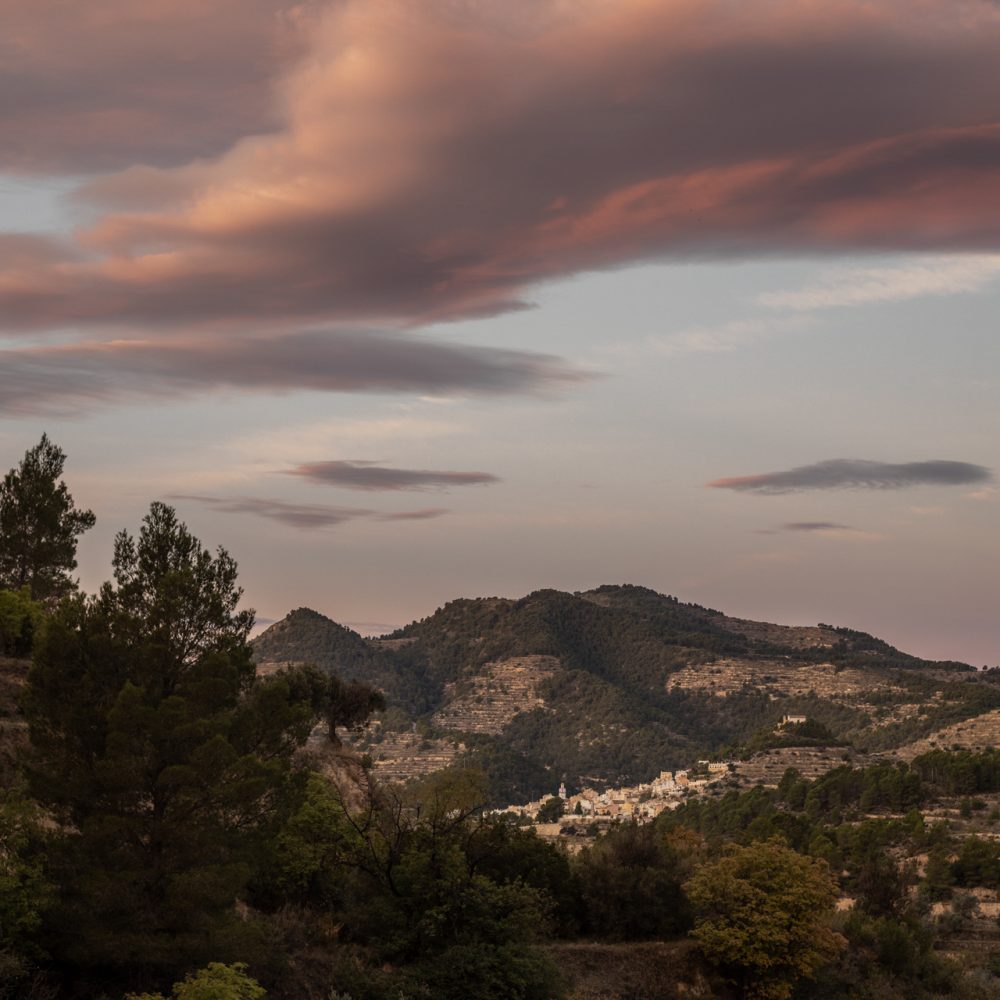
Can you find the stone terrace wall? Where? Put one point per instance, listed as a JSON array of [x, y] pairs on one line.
[[780, 677], [493, 697], [401, 756], [978, 733], [794, 636], [769, 766]]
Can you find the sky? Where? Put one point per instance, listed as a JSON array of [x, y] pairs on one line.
[[422, 299]]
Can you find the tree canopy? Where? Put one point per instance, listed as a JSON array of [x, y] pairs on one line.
[[39, 525], [762, 915], [165, 759]]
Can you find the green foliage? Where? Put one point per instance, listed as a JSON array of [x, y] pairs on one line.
[[305, 636], [938, 877], [436, 887], [215, 982], [165, 761], [890, 957], [20, 618], [811, 733], [39, 525], [551, 810], [301, 864], [977, 864], [960, 773], [500, 972], [762, 915], [25, 891], [796, 807], [630, 885], [881, 884], [511, 775], [349, 704]]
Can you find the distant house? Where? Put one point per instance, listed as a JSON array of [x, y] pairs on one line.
[[793, 720]]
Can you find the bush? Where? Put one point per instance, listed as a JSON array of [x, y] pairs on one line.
[[215, 982], [20, 617]]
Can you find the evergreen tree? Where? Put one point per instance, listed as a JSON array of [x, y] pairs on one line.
[[166, 761], [39, 525]]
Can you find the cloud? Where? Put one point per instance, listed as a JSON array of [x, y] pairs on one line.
[[854, 473], [435, 160], [986, 493], [824, 529], [110, 83], [75, 378], [304, 516], [360, 475], [423, 514], [816, 526], [861, 285], [720, 338]]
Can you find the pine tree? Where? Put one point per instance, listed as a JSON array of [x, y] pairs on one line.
[[163, 757], [39, 525]]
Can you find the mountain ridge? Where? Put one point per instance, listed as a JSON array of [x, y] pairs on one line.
[[613, 684]]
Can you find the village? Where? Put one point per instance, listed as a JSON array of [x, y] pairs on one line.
[[585, 814], [575, 820]]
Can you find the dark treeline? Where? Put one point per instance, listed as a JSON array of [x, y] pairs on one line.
[[166, 831]]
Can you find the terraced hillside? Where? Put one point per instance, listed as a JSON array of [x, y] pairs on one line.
[[489, 701], [613, 685], [977, 733]]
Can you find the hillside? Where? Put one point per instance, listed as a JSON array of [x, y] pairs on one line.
[[612, 685]]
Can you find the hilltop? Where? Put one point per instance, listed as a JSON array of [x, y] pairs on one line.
[[610, 685]]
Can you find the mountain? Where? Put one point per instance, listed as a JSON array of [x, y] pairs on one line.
[[612, 685]]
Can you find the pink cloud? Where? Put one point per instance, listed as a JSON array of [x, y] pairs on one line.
[[435, 160], [105, 84]]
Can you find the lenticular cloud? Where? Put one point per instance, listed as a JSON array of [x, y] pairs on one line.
[[855, 473]]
